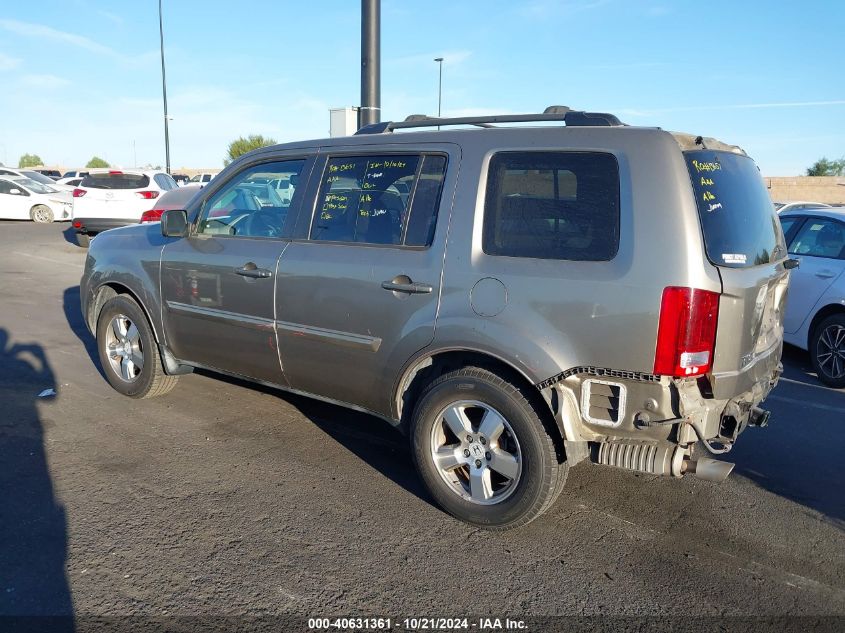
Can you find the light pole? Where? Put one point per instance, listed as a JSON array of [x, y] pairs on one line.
[[439, 60], [164, 90]]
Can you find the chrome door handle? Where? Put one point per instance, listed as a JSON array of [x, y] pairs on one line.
[[251, 270], [410, 287]]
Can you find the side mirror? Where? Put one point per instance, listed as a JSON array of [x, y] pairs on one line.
[[15, 192], [174, 223]]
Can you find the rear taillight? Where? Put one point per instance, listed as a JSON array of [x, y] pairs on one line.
[[153, 215], [78, 193], [77, 224], [147, 195], [686, 335]]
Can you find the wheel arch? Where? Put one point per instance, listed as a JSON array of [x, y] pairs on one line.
[[107, 291], [821, 315], [427, 367]]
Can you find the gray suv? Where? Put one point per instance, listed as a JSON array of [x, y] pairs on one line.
[[515, 298]]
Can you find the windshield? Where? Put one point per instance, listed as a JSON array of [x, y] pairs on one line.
[[34, 175], [737, 216], [35, 187]]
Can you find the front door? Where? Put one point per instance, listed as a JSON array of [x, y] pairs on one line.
[[819, 245], [218, 283], [357, 296], [13, 206]]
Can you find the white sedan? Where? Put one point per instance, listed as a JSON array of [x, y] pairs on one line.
[[26, 199], [815, 307]]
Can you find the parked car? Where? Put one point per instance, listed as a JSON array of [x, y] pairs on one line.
[[783, 207], [25, 199], [53, 174], [33, 175], [75, 173], [815, 309], [175, 199], [106, 199], [181, 179], [201, 179], [502, 294]]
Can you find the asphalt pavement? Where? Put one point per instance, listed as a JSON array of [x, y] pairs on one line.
[[227, 499]]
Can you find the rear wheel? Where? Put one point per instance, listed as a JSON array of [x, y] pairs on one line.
[[827, 350], [128, 351], [483, 451], [41, 213]]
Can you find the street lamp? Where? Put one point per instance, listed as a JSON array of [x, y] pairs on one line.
[[164, 90], [439, 60]]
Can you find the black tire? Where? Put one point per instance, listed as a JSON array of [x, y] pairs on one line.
[[827, 351], [148, 381], [541, 475], [83, 239], [41, 213]]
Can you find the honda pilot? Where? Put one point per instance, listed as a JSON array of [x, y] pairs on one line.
[[515, 298]]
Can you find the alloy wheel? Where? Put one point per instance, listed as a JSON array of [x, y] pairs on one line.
[[830, 351], [123, 347], [476, 452]]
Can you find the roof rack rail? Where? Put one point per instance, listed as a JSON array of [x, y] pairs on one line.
[[552, 113]]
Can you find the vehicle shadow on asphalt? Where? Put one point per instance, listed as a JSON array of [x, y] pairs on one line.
[[808, 471], [72, 305], [373, 440], [33, 527], [70, 235]]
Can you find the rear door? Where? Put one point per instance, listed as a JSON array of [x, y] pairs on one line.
[[744, 240], [819, 246], [357, 293]]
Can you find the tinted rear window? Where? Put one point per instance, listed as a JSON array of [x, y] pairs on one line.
[[552, 205], [738, 220], [116, 181]]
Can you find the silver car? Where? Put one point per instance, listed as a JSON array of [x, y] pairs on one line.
[[815, 310], [516, 299]]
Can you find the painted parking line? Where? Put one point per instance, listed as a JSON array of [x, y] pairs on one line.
[[805, 403], [48, 259], [808, 384]]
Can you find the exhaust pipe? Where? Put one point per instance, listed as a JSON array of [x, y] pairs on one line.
[[708, 469], [758, 417], [656, 459]]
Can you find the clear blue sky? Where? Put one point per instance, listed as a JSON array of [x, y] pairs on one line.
[[82, 77]]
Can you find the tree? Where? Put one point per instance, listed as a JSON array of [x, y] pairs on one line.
[[825, 167], [29, 160], [241, 146], [97, 162]]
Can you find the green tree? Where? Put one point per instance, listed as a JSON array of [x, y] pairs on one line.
[[825, 167], [29, 160], [242, 145], [97, 162]]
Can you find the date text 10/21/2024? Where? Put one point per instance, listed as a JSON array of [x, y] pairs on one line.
[[417, 624]]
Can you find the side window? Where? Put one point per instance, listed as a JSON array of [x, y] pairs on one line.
[[820, 238], [5, 186], [383, 199], [787, 224], [552, 205], [248, 206]]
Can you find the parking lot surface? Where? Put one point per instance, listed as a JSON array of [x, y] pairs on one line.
[[224, 498]]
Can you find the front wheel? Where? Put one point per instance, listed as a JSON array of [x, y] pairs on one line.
[[483, 451], [827, 350], [128, 351], [41, 213]]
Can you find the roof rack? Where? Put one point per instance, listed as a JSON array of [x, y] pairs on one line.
[[552, 113]]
